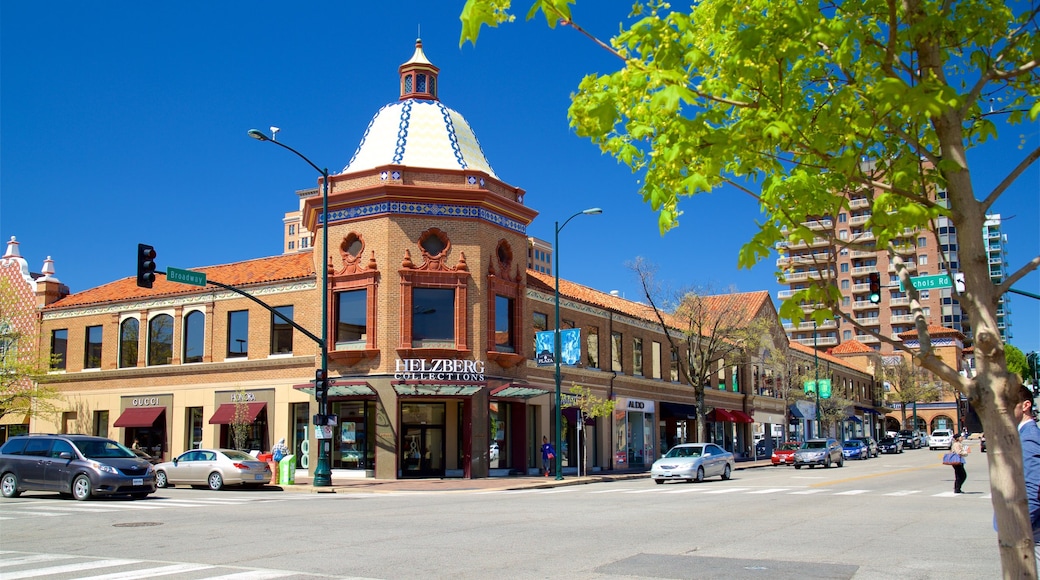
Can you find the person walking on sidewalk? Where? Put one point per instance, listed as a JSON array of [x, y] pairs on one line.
[[1029, 434], [548, 455], [959, 473]]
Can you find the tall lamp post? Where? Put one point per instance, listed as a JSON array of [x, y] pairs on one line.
[[556, 337], [816, 365], [323, 471]]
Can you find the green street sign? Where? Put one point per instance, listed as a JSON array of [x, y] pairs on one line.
[[929, 282], [185, 277]]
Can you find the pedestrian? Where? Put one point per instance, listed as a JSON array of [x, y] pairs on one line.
[[280, 450], [959, 473], [548, 454], [1029, 433]]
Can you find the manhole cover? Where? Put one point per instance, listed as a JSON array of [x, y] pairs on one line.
[[136, 524]]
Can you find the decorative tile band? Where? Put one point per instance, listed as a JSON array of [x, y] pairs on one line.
[[439, 210]]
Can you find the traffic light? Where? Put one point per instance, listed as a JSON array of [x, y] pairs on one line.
[[875, 287], [321, 385], [145, 265]]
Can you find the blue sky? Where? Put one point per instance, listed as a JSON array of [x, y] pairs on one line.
[[125, 122]]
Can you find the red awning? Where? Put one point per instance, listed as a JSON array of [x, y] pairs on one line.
[[720, 415], [139, 417], [741, 417], [226, 413]]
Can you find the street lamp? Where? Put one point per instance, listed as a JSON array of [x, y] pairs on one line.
[[556, 333], [323, 471], [816, 365]]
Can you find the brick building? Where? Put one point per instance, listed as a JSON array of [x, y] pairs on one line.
[[433, 310]]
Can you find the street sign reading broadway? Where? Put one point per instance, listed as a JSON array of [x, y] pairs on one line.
[[185, 277]]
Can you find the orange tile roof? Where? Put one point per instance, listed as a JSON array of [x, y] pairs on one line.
[[239, 274], [568, 289], [744, 305], [851, 347], [829, 357], [933, 330]]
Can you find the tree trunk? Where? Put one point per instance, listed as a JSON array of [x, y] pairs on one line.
[[702, 428]]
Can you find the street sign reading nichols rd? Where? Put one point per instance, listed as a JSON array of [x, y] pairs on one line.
[[185, 277], [936, 281]]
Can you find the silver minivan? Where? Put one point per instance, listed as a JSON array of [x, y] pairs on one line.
[[80, 466]]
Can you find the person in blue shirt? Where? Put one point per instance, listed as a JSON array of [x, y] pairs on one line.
[[548, 454], [1029, 433]]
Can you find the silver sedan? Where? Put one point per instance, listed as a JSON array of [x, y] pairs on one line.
[[693, 462], [213, 468]]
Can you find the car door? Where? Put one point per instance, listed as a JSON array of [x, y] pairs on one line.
[[180, 471], [58, 470], [32, 468], [206, 464], [711, 464]]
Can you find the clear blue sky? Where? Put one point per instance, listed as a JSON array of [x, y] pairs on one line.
[[125, 122]]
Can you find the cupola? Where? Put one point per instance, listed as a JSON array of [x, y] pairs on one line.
[[418, 76]]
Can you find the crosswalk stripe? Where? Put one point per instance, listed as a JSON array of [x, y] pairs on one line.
[[71, 508], [770, 490], [622, 489], [806, 492], [150, 572], [853, 492], [727, 490], [904, 492], [31, 559], [562, 490], [21, 514], [67, 568], [684, 490], [651, 490], [253, 575]]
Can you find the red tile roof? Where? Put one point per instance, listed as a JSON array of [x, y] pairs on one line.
[[568, 289], [239, 274], [933, 330], [851, 364], [851, 347], [743, 305]]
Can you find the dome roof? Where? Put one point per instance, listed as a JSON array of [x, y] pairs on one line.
[[418, 130]]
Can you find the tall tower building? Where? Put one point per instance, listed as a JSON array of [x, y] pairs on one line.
[[996, 250]]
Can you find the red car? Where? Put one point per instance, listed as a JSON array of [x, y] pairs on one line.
[[785, 453]]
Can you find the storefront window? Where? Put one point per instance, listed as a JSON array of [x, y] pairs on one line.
[[194, 431], [352, 442], [300, 444], [100, 424]]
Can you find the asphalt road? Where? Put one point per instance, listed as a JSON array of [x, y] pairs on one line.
[[890, 517]]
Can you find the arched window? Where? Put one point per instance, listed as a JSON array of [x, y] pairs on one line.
[[194, 334], [128, 341], [160, 340]]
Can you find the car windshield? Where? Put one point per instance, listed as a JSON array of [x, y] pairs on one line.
[[888, 441], [852, 444], [684, 452], [814, 445], [789, 447], [236, 455], [103, 449]]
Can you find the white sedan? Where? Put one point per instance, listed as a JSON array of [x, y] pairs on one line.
[[693, 462], [213, 468]]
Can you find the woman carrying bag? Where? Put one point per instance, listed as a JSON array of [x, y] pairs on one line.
[[958, 451]]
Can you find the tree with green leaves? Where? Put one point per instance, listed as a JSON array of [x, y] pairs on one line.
[[784, 100], [1016, 361], [240, 424]]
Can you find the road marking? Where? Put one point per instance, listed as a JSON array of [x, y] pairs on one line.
[[67, 568], [853, 492], [150, 572], [31, 559], [944, 494], [611, 490], [649, 490], [904, 492], [728, 490], [807, 492], [872, 475], [252, 575], [562, 489], [684, 490], [771, 490]]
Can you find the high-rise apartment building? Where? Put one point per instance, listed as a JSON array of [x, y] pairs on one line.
[[996, 252]]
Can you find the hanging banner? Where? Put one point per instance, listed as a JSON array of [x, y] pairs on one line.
[[570, 347]]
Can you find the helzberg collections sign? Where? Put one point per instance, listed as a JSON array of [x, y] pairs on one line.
[[438, 369]]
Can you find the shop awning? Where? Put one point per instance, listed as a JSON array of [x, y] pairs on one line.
[[797, 413], [15, 419], [868, 410], [720, 415], [854, 419], [449, 389], [340, 388], [226, 413], [517, 392], [139, 417], [678, 410], [741, 417]]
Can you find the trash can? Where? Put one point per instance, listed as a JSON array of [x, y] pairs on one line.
[[287, 470]]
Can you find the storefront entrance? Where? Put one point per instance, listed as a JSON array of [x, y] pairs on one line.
[[422, 440]]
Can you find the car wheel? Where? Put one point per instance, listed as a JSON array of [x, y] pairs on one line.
[[81, 488], [9, 485], [841, 462], [140, 495], [160, 479], [827, 462], [700, 475], [797, 466], [216, 482], [727, 473], [659, 481]]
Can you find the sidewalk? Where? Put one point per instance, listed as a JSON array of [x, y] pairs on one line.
[[368, 485]]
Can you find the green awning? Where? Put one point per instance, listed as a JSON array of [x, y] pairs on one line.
[[443, 389], [517, 392], [341, 388]]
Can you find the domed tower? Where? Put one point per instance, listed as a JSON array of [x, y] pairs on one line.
[[427, 261]]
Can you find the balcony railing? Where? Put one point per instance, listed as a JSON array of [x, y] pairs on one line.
[[820, 341], [859, 202], [904, 301], [869, 321], [902, 318], [859, 219], [864, 270], [864, 304], [867, 338], [803, 326]]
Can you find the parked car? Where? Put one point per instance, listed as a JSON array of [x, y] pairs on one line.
[[693, 462], [214, 468], [784, 455], [855, 449], [891, 445], [766, 446], [872, 446], [80, 466], [941, 438], [819, 452], [149, 458], [911, 439]]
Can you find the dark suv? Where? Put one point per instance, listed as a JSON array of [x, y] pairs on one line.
[[78, 465]]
